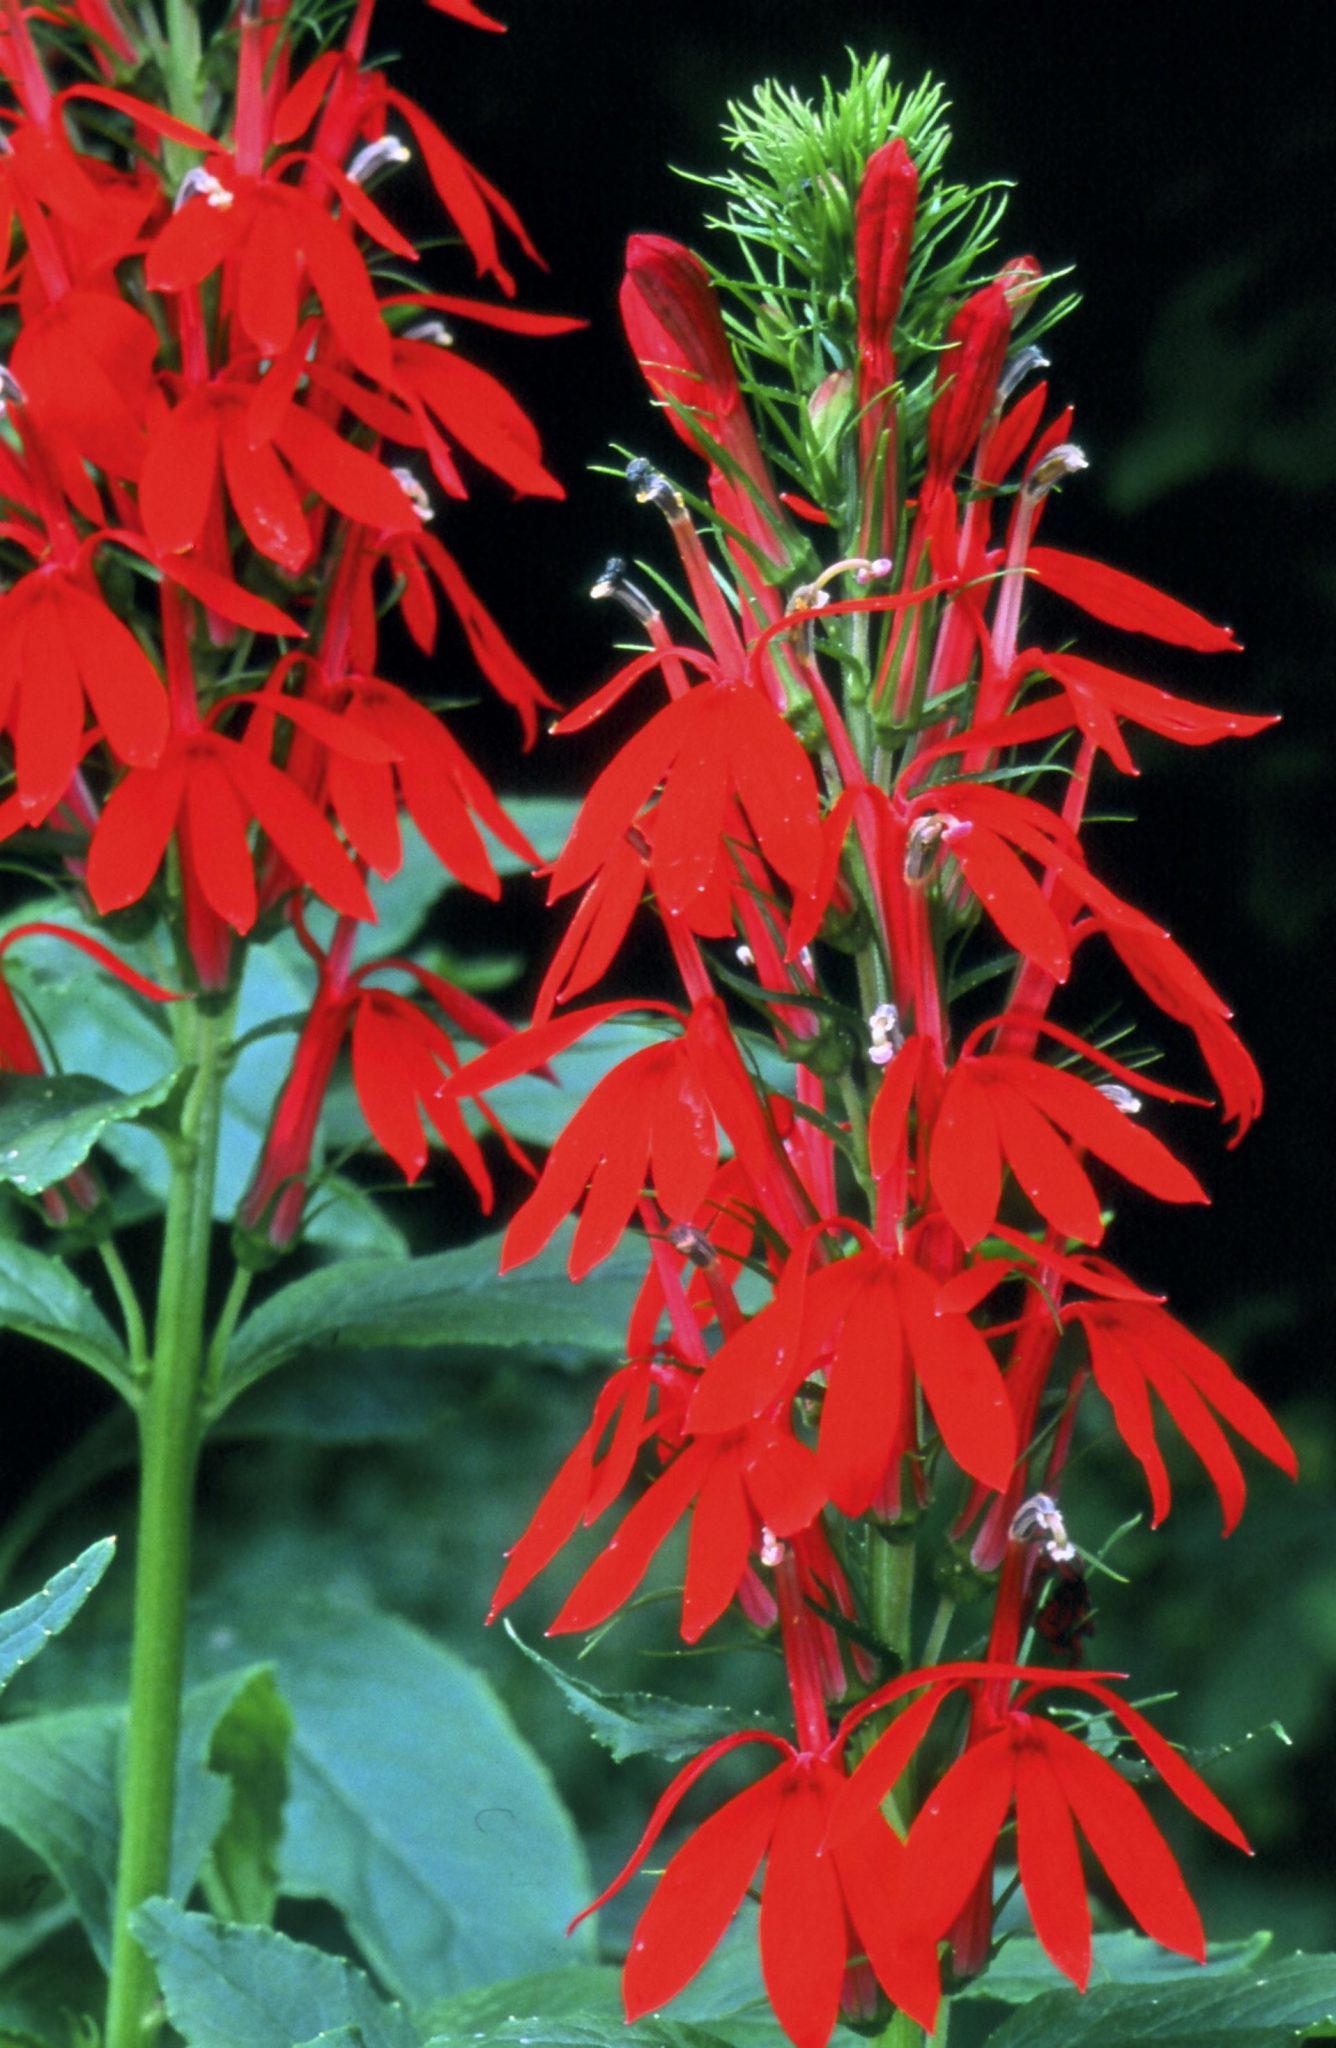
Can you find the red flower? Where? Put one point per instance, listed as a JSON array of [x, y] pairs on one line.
[[1057, 1784], [1136, 1349], [883, 236], [818, 1911]]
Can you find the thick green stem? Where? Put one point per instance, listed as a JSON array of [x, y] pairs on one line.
[[180, 58], [169, 1443], [891, 1589]]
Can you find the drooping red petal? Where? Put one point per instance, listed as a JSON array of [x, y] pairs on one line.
[[959, 1376], [698, 1894], [1012, 898], [1045, 1167], [861, 1412], [265, 498], [955, 1834], [176, 479], [123, 686], [214, 839], [1093, 1121], [613, 1577], [1123, 600], [387, 1103], [1140, 1865], [132, 833], [965, 1159], [1050, 1864], [299, 832], [49, 721], [803, 1942], [267, 296], [718, 1548]]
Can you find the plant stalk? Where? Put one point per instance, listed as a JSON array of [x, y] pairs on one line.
[[169, 1444]]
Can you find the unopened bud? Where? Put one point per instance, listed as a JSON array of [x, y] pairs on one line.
[[414, 492], [375, 156], [614, 582], [199, 183]]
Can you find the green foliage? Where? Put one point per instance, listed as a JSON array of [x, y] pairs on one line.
[[1269, 2006], [250, 1749], [40, 1298], [26, 1630], [640, 1723], [245, 1987], [1021, 1971], [49, 1123], [413, 1807], [450, 1301]]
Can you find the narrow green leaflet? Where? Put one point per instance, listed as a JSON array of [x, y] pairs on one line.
[[246, 1987], [59, 1780], [1267, 2005], [250, 1749], [452, 1301], [26, 1630], [414, 1806], [1022, 1971], [639, 1723], [49, 1123], [40, 1298]]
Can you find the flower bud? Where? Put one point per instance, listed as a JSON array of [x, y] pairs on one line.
[[967, 379]]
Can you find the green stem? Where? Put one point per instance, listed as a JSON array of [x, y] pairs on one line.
[[941, 1622], [132, 1315], [891, 1589], [902, 2032], [222, 1333], [169, 1443], [180, 65]]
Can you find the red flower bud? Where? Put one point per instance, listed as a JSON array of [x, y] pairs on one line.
[[967, 379]]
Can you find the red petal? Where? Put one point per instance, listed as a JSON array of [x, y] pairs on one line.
[[1178, 718], [266, 499], [193, 243], [352, 481], [616, 798], [965, 1160], [267, 297], [464, 10], [1178, 1775], [340, 277], [48, 725], [124, 687], [1012, 898], [480, 414], [1123, 600], [1095, 1123], [132, 834], [880, 1770], [698, 1895], [365, 804], [803, 1943], [387, 1104], [299, 832], [214, 841], [1045, 1167], [955, 1835], [458, 189], [861, 1413], [612, 1578], [178, 474], [719, 1546], [1050, 1864], [959, 1376], [1131, 1848], [1120, 1380]]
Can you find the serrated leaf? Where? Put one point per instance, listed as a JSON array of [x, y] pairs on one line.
[[639, 1723], [1022, 1971], [585, 1989], [247, 1987], [250, 1750], [41, 1298], [59, 1793], [414, 1806], [49, 1123], [26, 1630], [452, 1301], [1270, 2006]]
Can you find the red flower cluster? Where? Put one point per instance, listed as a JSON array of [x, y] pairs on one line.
[[217, 417], [899, 816]]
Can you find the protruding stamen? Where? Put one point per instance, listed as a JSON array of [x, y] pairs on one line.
[[653, 489], [198, 183], [810, 597], [614, 582], [1015, 371], [744, 956], [1039, 1520], [376, 156], [1122, 1098], [415, 494], [773, 1551], [434, 331], [886, 1036], [693, 1244], [11, 391], [1064, 460], [924, 837]]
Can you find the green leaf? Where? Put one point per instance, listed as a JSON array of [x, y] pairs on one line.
[[44, 1995], [26, 1630], [250, 1749], [451, 1301], [414, 1806], [246, 1987], [49, 1123], [1022, 1971], [639, 1723], [40, 1298], [348, 1397], [585, 1989], [580, 2030], [59, 1793], [1262, 2006]]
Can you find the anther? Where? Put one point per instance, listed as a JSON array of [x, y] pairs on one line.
[[1015, 371], [1064, 460], [375, 156], [1039, 1520], [434, 331], [1122, 1098], [693, 1244], [11, 391], [198, 183], [653, 489], [923, 839], [414, 492], [614, 582], [886, 1036]]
